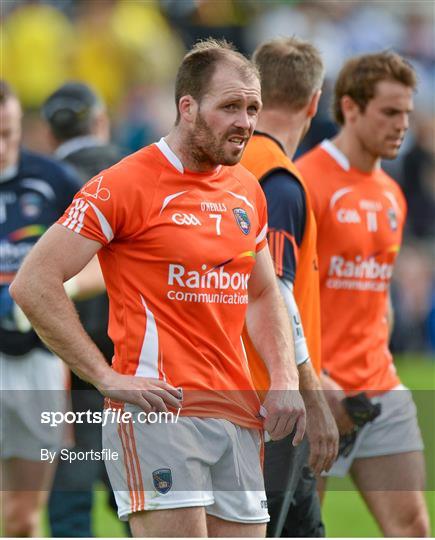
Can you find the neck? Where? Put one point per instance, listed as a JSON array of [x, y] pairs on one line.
[[285, 126], [356, 152], [179, 142]]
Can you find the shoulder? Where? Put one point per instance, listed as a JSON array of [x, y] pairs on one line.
[[392, 187], [38, 163], [59, 175], [285, 183], [245, 178], [313, 159]]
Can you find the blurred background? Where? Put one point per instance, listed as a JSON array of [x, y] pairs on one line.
[[129, 50]]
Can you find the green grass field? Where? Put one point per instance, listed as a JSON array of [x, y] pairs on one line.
[[345, 514]]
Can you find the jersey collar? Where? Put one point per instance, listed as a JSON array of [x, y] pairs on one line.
[[173, 159], [336, 154]]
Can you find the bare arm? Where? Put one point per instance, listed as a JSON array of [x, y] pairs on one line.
[[38, 289], [87, 283], [269, 329]]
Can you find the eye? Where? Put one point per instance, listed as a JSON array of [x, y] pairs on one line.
[[252, 109], [391, 112], [230, 107]]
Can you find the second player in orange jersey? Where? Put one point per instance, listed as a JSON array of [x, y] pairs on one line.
[[360, 214]]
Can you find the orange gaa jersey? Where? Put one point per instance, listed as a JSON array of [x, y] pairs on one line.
[[263, 156], [360, 218], [178, 251]]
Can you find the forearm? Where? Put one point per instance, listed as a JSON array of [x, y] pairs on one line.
[[310, 386], [42, 297], [301, 349], [269, 329]]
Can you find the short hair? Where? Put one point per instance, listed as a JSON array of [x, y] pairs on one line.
[[70, 110], [199, 64], [6, 92], [291, 70], [360, 75]]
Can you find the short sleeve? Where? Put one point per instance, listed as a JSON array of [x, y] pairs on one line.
[[286, 216], [261, 204], [99, 209]]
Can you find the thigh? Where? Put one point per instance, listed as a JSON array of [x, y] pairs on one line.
[[237, 479], [161, 466], [221, 528], [179, 522], [392, 487]]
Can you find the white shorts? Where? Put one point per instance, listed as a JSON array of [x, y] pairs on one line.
[[194, 462], [394, 431], [30, 384]]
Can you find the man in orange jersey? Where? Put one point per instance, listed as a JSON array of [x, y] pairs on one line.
[[291, 72], [180, 230], [360, 212]]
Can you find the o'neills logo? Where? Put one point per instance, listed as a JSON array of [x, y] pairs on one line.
[[229, 288], [360, 274]]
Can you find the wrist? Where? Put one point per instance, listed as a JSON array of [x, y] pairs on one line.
[[105, 380], [284, 381]]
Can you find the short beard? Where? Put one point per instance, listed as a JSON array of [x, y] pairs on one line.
[[206, 150]]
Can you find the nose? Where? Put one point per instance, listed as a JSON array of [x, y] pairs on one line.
[[243, 120], [403, 123]]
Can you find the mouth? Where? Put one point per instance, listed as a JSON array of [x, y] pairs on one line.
[[237, 142], [395, 141]]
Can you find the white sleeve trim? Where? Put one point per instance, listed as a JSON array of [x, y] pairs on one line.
[[262, 235], [106, 229], [301, 349]]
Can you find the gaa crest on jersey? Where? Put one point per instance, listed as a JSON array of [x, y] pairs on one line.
[[242, 220], [162, 480], [392, 219]]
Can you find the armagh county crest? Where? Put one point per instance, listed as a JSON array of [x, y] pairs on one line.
[[162, 480], [242, 220]]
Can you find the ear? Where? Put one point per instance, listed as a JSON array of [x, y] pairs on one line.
[[101, 126], [349, 108], [313, 105], [188, 108]]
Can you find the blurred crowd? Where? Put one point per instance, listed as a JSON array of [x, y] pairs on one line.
[[128, 50]]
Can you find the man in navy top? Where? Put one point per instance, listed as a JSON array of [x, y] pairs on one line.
[[34, 192]]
